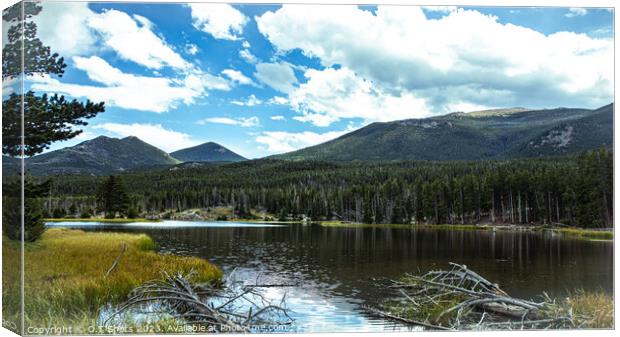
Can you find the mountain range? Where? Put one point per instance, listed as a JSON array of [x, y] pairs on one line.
[[106, 155], [490, 134]]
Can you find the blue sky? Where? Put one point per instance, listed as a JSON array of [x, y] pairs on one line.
[[266, 79]]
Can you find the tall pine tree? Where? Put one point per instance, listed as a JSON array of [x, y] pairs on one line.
[[46, 119], [112, 197]]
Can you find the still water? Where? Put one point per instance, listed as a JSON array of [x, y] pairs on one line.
[[333, 270]]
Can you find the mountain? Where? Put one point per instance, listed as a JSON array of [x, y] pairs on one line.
[[100, 156], [491, 134], [207, 152]]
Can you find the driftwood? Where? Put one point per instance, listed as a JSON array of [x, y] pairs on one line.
[[459, 298], [235, 308], [118, 258]]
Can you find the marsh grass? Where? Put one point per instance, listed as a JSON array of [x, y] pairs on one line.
[[65, 283], [343, 224], [596, 309], [102, 220], [588, 234]]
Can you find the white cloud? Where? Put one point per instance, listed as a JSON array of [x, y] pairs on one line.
[[281, 141], [154, 134], [576, 11], [278, 100], [277, 118], [252, 100], [463, 57], [279, 76], [222, 21], [191, 49], [11, 85], [440, 9], [333, 94], [133, 39], [129, 91], [248, 56], [237, 76], [245, 44], [63, 27], [241, 121]]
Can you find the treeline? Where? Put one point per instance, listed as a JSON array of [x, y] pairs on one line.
[[576, 190]]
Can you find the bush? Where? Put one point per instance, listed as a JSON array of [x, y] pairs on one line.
[[110, 215], [132, 213], [85, 215], [58, 213]]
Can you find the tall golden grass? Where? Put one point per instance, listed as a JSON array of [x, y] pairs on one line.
[[65, 282]]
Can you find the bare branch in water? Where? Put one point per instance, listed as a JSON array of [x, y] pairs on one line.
[[238, 307], [461, 299]]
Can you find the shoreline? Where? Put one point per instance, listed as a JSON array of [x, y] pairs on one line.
[[606, 234], [72, 274]]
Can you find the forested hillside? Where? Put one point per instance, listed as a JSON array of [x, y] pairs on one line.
[[492, 134], [576, 190]]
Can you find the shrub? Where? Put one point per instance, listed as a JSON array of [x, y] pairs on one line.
[[132, 213], [58, 213]]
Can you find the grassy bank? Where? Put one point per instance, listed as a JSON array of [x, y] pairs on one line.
[[103, 220], [65, 282], [343, 224], [569, 232], [586, 234]]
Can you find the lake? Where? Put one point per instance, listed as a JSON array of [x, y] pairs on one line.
[[332, 269]]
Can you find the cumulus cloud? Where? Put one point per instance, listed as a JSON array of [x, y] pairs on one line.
[[132, 39], [277, 118], [154, 134], [279, 76], [400, 56], [252, 100], [222, 21], [248, 56], [191, 49], [282, 141], [157, 94], [237, 76], [246, 122], [576, 11], [64, 27], [440, 9], [333, 94]]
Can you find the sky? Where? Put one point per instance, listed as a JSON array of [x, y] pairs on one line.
[[268, 79]]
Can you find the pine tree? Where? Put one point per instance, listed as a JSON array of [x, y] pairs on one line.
[[33, 225], [112, 197], [46, 119]]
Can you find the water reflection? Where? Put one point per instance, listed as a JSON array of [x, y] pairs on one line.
[[333, 268]]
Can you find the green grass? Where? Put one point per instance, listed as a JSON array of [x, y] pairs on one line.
[[406, 226], [458, 227], [65, 283], [342, 224], [99, 220], [587, 234]]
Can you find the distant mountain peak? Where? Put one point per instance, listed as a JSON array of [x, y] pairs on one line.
[[100, 155], [207, 152]]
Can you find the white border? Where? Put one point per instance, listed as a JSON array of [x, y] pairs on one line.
[[482, 3]]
